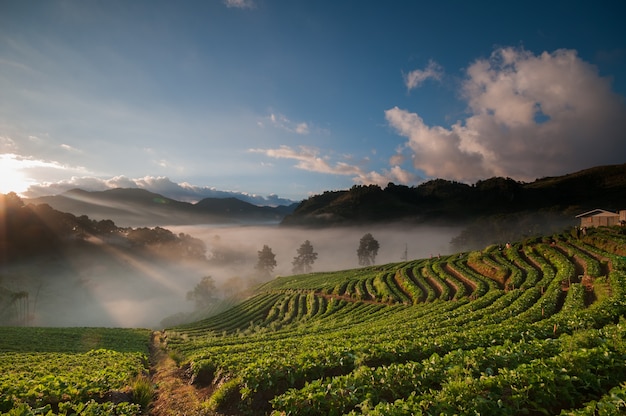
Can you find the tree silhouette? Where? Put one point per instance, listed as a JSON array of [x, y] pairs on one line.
[[204, 294], [368, 250], [267, 261], [303, 262]]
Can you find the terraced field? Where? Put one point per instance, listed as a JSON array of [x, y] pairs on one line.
[[74, 371], [536, 327]]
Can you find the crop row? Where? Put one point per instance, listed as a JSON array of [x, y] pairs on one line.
[[71, 370], [361, 342], [37, 339]]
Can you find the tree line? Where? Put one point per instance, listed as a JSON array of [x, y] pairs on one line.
[[39, 230], [306, 256], [204, 293]]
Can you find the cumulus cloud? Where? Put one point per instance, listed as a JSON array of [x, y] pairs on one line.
[[308, 159], [416, 77], [529, 116], [157, 184]]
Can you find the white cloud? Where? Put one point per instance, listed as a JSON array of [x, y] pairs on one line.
[[529, 116], [397, 159], [437, 151], [282, 122], [157, 184], [240, 4], [416, 77], [395, 175], [15, 171], [302, 128], [70, 148], [308, 159]]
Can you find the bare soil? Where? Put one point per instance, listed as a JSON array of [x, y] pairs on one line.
[[175, 396]]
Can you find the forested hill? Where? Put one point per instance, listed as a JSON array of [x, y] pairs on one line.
[[133, 207], [28, 231], [447, 202]]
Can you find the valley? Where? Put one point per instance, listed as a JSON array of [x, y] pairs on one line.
[[506, 330]]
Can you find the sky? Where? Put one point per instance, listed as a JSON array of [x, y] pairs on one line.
[[284, 99]]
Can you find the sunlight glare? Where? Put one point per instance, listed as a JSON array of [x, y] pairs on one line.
[[11, 177]]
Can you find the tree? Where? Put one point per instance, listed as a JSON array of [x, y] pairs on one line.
[[303, 262], [267, 261], [368, 250], [204, 294]]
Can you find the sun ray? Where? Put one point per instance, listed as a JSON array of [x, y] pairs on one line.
[[13, 179]]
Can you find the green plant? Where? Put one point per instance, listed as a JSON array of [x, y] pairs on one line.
[[143, 391], [224, 395]]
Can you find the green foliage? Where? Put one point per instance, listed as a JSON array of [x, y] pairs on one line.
[[224, 395], [204, 294], [143, 391], [368, 250], [266, 261], [433, 336], [90, 408], [36, 230], [38, 339], [496, 210], [511, 331], [72, 369], [303, 262]]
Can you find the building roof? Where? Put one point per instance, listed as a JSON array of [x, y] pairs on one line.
[[597, 213]]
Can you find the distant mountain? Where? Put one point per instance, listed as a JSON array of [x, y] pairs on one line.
[[444, 201], [497, 208], [28, 231], [138, 207], [67, 270]]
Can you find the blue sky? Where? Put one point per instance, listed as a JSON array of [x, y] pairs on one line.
[[290, 98]]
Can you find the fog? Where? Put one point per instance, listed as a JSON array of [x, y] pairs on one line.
[[108, 287], [111, 286], [336, 247]]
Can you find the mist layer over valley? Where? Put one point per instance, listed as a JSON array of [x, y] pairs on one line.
[[109, 286], [236, 248], [57, 269], [99, 287]]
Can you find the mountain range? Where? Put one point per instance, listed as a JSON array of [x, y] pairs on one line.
[[134, 207], [435, 202], [441, 201]]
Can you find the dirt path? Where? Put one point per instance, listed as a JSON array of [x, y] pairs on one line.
[[174, 395]]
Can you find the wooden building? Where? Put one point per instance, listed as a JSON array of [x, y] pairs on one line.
[[601, 218]]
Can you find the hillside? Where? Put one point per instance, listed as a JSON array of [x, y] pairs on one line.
[[533, 328], [60, 269], [29, 231], [446, 202], [537, 327], [133, 207]]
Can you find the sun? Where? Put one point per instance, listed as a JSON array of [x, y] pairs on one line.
[[11, 177]]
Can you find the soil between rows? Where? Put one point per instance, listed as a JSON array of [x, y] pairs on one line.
[[174, 396]]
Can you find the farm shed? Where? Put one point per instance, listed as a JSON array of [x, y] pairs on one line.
[[600, 217]]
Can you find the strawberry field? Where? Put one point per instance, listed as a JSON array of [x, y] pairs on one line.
[[531, 328], [534, 327], [66, 371]]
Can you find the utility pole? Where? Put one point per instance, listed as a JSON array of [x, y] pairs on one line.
[[405, 255]]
